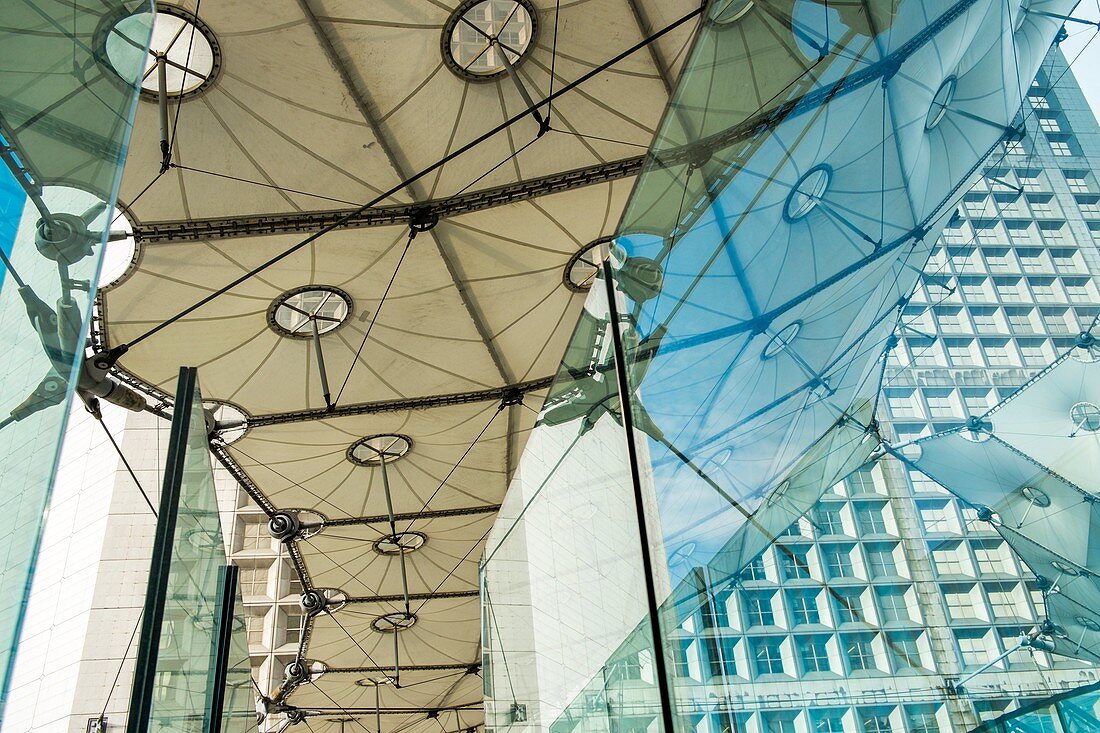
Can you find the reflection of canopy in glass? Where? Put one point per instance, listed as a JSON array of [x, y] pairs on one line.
[[792, 223], [1029, 466]]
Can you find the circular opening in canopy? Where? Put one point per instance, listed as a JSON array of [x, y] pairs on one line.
[[374, 449], [584, 266], [1088, 623], [295, 312], [1065, 569], [781, 340], [121, 252], [377, 681], [1035, 496], [392, 623], [940, 102], [190, 51], [806, 194], [482, 37], [401, 543], [1085, 416]]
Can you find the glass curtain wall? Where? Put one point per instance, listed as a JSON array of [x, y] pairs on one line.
[[810, 157], [183, 643], [1075, 712], [65, 116]]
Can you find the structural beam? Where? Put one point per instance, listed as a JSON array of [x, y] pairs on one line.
[[494, 394], [165, 232]]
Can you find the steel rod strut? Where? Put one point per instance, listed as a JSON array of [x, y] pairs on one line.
[[321, 363], [162, 106]]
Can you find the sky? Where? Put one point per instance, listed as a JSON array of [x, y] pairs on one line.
[[1083, 49]]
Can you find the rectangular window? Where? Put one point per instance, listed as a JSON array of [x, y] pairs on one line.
[[1054, 234], [977, 401], [1030, 180], [985, 319], [1055, 320], [1033, 352], [828, 520], [254, 536], [293, 582], [861, 482], [1077, 181], [986, 233], [998, 352], [880, 561], [961, 351], [1078, 289], [1049, 124], [848, 606], [1031, 260], [949, 559], [253, 581], [1060, 148], [803, 607], [829, 723], [869, 519], [295, 624], [1010, 289], [1041, 206], [1065, 260], [1003, 601], [254, 620], [1038, 101], [973, 650], [813, 653], [796, 562], [923, 722], [1021, 320], [940, 403], [682, 657], [769, 659], [715, 609], [754, 570], [758, 609], [877, 723], [904, 651], [999, 259], [838, 562], [722, 656], [858, 649], [959, 604], [1089, 205], [935, 517], [892, 604], [1044, 289], [990, 557]]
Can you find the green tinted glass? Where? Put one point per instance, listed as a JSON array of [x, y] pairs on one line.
[[176, 679], [65, 119]]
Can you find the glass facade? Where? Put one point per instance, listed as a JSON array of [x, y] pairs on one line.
[[64, 125], [192, 661], [786, 307]]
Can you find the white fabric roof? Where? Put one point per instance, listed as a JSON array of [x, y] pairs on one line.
[[317, 106]]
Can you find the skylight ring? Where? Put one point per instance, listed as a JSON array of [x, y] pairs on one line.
[[941, 101], [189, 74], [290, 314], [402, 543], [373, 449], [583, 267], [471, 44], [393, 623], [807, 192]]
